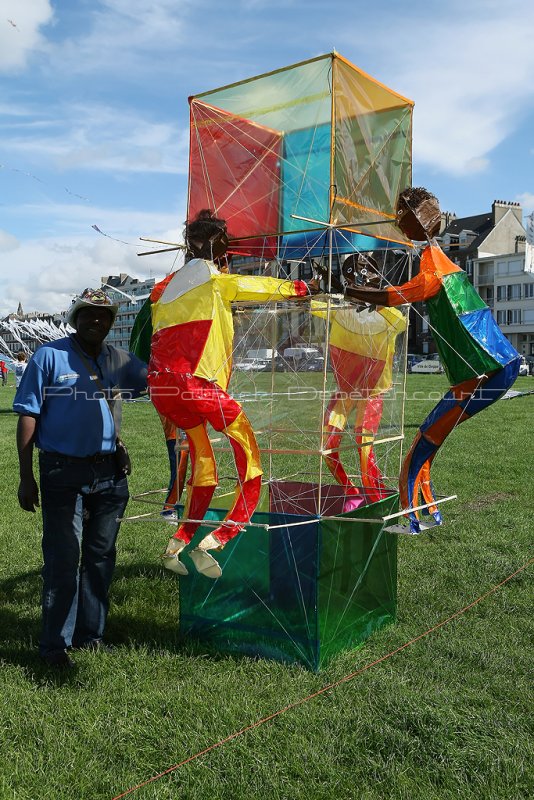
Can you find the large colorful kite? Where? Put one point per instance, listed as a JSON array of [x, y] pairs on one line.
[[304, 162], [480, 362]]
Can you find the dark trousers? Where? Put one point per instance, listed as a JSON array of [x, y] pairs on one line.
[[81, 501]]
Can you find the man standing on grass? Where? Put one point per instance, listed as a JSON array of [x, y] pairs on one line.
[[68, 406]]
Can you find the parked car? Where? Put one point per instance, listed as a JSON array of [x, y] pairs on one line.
[[429, 365], [252, 365], [315, 364]]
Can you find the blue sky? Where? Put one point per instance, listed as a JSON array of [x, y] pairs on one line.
[[94, 113]]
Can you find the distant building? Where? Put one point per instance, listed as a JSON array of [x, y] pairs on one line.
[[130, 293], [507, 286], [500, 231], [476, 244]]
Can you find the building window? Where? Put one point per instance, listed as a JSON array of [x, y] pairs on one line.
[[513, 316], [528, 289], [501, 317], [514, 291], [501, 293]]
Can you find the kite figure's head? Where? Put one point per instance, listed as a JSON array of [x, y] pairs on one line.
[[418, 214], [206, 237], [361, 269]]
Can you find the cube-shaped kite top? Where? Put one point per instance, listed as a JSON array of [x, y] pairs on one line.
[[315, 144]]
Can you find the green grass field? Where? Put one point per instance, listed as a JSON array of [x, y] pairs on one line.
[[448, 717]]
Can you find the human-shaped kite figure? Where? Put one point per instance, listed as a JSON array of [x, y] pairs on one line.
[[361, 346], [189, 371], [480, 362], [175, 440]]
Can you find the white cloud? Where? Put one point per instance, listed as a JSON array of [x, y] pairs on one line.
[[469, 68], [124, 35], [95, 137], [43, 274], [20, 33], [527, 201], [8, 242]]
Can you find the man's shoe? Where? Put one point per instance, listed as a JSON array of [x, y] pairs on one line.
[[58, 660]]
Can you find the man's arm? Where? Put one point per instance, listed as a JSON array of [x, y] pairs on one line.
[[28, 492]]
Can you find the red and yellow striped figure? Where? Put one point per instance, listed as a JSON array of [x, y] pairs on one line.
[[189, 372], [140, 340], [480, 362], [362, 346]]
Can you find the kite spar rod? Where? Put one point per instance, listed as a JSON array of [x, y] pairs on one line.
[[346, 225], [419, 508], [172, 246]]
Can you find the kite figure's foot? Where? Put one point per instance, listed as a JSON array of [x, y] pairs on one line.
[[204, 563], [171, 557], [352, 503], [401, 529], [411, 530], [432, 521]]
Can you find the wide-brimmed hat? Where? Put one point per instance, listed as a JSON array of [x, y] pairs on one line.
[[91, 298]]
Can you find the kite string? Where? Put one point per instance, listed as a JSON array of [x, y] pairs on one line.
[[324, 689]]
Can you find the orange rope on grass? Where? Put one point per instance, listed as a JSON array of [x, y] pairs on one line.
[[326, 688]]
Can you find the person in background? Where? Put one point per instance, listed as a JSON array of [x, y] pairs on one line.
[[3, 372], [20, 365], [68, 403]]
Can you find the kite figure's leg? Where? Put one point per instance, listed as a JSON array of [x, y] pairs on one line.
[[335, 420], [201, 487], [247, 460], [202, 483], [368, 416], [462, 402], [249, 471]]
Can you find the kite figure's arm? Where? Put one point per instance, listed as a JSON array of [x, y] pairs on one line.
[[263, 289], [422, 287]]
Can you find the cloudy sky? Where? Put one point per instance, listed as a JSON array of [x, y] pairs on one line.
[[94, 113]]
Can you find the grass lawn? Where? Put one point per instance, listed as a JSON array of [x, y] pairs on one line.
[[446, 718]]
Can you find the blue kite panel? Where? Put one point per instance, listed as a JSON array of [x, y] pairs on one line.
[[305, 176], [484, 330]]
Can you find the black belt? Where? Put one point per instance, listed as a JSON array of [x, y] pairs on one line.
[[97, 458]]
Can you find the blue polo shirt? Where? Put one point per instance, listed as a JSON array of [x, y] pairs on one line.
[[73, 417]]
